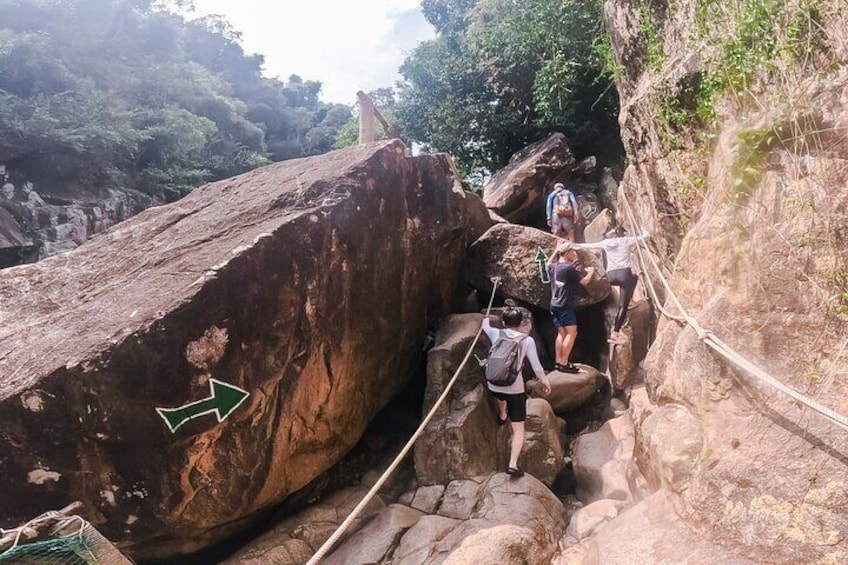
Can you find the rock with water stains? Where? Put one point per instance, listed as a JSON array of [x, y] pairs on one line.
[[308, 284]]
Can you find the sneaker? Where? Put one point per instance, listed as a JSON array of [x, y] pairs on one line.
[[514, 472], [569, 368]]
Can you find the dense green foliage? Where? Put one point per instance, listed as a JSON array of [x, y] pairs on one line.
[[501, 74], [119, 93]]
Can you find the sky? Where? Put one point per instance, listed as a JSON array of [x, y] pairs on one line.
[[320, 39]]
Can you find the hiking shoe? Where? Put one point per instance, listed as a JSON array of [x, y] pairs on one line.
[[514, 472]]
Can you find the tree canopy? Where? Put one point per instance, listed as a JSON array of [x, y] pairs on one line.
[[124, 93], [501, 74]]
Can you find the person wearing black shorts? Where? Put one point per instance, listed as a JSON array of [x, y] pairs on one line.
[[511, 399]]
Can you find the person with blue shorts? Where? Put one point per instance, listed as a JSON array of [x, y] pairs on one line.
[[566, 285]]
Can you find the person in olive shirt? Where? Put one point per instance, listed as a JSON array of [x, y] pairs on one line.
[[566, 285]]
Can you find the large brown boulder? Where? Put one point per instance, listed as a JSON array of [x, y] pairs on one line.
[[518, 191], [511, 252], [308, 284]]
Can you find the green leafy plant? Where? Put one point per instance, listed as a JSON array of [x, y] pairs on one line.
[[753, 148]]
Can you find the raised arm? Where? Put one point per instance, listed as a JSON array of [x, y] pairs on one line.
[[491, 332], [603, 244], [590, 271]]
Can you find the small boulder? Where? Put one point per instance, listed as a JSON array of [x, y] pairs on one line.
[[570, 391], [591, 518], [601, 224], [542, 454], [294, 540], [374, 542], [602, 460]]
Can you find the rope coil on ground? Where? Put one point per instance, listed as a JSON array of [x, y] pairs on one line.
[[328, 545], [720, 346]]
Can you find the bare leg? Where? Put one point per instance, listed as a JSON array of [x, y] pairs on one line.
[[558, 345], [568, 342], [517, 443], [571, 236]]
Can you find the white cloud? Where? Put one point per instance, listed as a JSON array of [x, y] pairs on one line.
[[347, 46]]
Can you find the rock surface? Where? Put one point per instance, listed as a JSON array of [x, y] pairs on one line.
[[601, 461], [35, 224], [515, 520], [375, 542], [626, 362], [510, 251], [649, 533], [463, 431], [295, 540], [518, 191], [747, 222], [542, 455], [275, 281]]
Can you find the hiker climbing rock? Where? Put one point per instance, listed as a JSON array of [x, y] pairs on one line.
[[566, 285], [562, 212], [510, 346], [619, 247]]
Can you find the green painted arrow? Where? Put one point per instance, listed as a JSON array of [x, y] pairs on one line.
[[543, 265], [223, 400]]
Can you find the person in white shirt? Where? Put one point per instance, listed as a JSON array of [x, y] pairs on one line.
[[511, 400], [619, 248]]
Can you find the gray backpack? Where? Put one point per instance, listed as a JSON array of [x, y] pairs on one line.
[[502, 366]]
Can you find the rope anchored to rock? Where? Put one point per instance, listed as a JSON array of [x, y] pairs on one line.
[[715, 343]]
